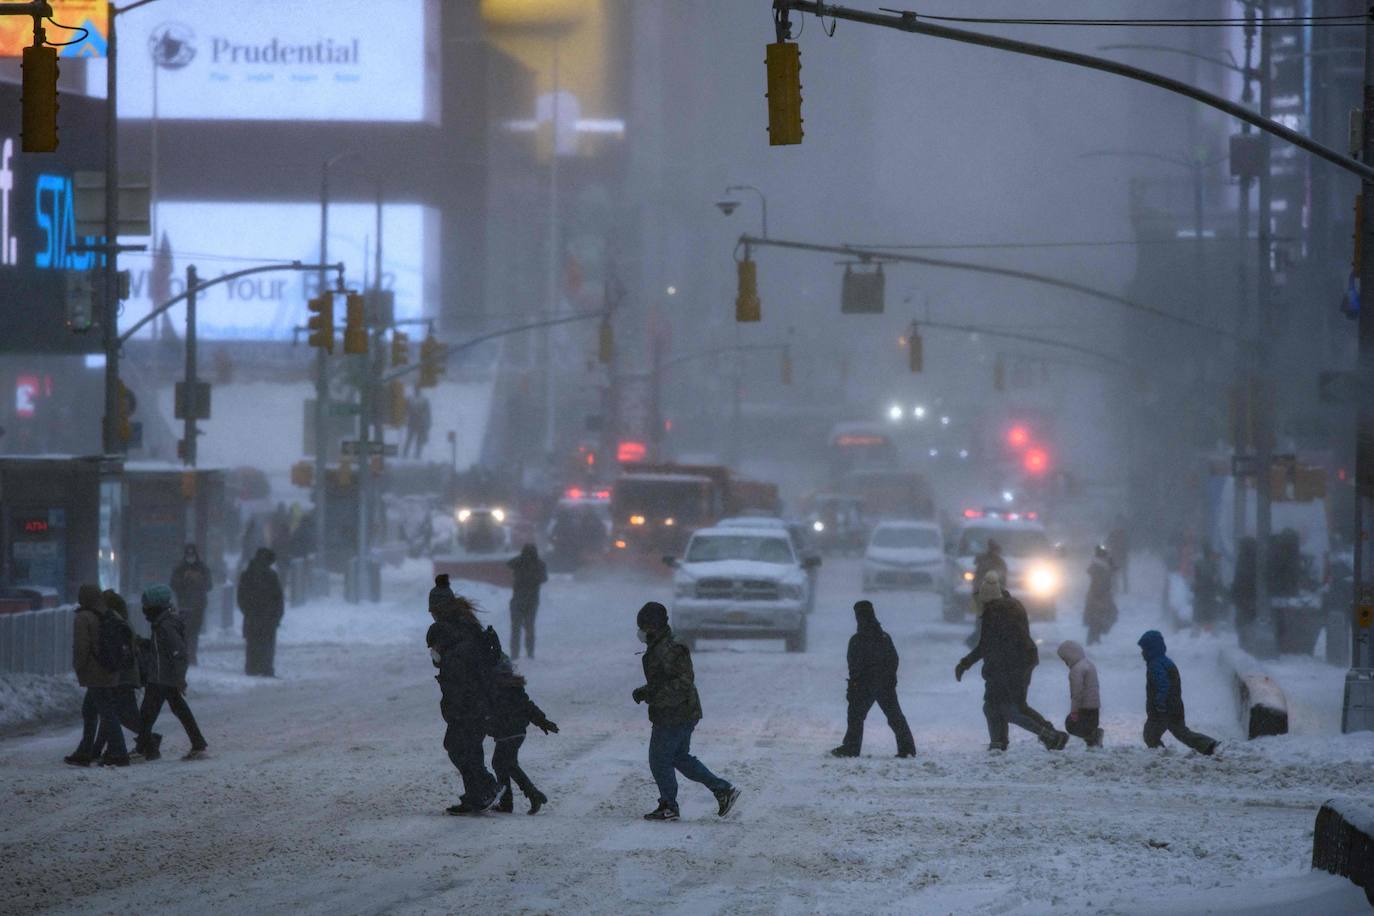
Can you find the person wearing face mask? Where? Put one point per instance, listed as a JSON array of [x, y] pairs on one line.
[[191, 584], [674, 711]]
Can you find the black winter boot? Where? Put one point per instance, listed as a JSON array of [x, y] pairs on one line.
[[537, 800], [506, 804]]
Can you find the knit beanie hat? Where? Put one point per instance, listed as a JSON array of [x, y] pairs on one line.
[[157, 596], [441, 594]]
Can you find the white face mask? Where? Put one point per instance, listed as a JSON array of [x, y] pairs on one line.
[[643, 637]]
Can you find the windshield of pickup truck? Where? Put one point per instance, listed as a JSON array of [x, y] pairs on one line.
[[761, 548]]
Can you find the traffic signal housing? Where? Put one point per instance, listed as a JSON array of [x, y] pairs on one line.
[[38, 125], [915, 353], [783, 60], [605, 342], [303, 474], [400, 348], [124, 422], [396, 404], [321, 323], [747, 304], [430, 368], [355, 324]]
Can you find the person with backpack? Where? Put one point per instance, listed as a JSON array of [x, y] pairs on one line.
[[1009, 657], [528, 575], [674, 711], [1164, 710], [873, 664], [166, 658], [130, 676], [512, 712], [260, 599], [1085, 698], [101, 648], [465, 656], [191, 583]]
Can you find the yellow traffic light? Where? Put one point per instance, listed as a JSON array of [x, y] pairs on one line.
[[303, 474], [355, 324], [784, 94], [430, 369], [605, 342], [747, 304], [400, 348], [915, 354], [396, 404], [321, 321], [38, 129]]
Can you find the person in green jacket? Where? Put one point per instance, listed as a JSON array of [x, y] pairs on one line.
[[674, 710]]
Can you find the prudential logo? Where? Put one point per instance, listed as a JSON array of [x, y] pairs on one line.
[[9, 244]]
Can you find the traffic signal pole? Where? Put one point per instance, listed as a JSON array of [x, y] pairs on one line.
[[109, 294], [1357, 712]]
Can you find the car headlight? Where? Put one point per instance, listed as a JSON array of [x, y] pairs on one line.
[[790, 592], [684, 588], [499, 514], [818, 526], [968, 575], [1043, 581], [464, 514]]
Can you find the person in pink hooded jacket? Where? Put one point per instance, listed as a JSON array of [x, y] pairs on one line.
[[1085, 699]]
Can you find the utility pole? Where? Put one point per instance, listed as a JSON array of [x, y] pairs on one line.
[[191, 402], [366, 385], [555, 244], [1357, 711], [322, 389], [109, 294], [1264, 638], [1241, 420]]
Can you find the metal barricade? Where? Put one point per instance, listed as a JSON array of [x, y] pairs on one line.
[[37, 642]]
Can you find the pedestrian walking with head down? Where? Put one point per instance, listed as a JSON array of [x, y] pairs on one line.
[[102, 646], [1085, 698], [1099, 607], [1164, 698], [465, 656], [674, 711], [130, 675], [165, 652], [512, 712], [1009, 657], [873, 664]]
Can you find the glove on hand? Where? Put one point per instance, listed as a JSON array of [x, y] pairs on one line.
[[549, 727], [959, 670], [641, 694]]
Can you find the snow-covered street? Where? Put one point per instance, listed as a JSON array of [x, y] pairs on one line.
[[325, 789]]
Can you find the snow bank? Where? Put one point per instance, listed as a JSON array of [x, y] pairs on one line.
[[29, 698], [1343, 842]]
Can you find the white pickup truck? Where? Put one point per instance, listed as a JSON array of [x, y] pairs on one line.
[[741, 583]]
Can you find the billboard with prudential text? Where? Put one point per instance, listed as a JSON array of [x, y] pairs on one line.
[[345, 60]]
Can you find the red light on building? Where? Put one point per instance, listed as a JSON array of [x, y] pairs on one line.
[[630, 451], [1018, 437], [1037, 461]]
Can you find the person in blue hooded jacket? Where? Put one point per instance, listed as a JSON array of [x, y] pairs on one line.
[[1164, 698]]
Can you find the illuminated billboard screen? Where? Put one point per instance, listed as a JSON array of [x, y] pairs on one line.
[[347, 60], [220, 238]]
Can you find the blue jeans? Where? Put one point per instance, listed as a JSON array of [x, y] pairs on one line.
[[670, 753]]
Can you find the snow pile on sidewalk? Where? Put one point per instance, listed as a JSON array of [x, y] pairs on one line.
[[26, 698]]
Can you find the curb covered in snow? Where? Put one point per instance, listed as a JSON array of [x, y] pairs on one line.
[[1343, 842], [1260, 700]]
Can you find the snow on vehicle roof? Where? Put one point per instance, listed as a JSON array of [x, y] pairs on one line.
[[667, 478], [907, 523], [737, 530], [752, 521]]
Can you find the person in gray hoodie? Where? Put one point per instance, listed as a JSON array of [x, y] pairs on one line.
[[1085, 699]]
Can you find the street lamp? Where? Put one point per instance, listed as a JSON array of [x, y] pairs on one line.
[[728, 206]]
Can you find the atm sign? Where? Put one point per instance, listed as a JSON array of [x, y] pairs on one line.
[[34, 525]]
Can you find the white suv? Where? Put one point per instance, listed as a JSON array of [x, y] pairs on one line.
[[741, 583], [908, 555]]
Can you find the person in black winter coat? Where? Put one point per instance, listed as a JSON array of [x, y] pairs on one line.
[[130, 676], [512, 712], [191, 583], [165, 674], [1099, 607], [1164, 710], [260, 600], [528, 574], [465, 655], [99, 708], [1009, 657], [873, 679]]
